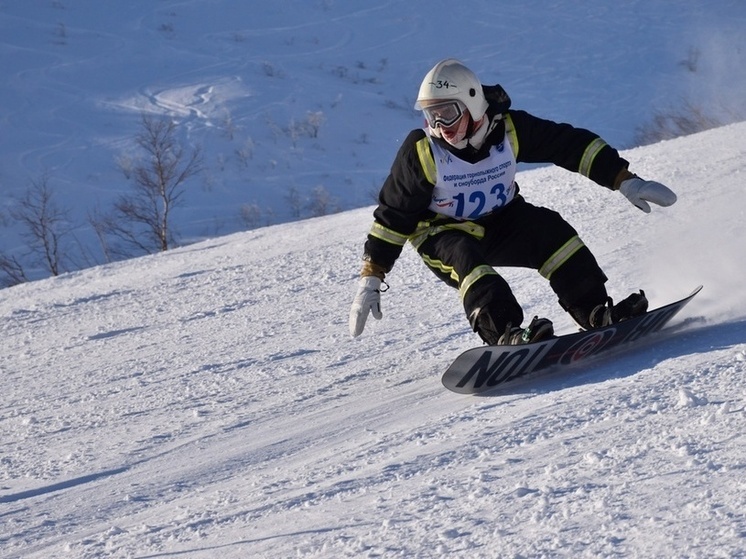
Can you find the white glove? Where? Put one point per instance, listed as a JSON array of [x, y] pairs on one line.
[[367, 300], [640, 192]]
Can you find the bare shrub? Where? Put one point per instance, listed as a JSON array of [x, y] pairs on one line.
[[308, 127], [321, 202], [251, 215], [665, 125]]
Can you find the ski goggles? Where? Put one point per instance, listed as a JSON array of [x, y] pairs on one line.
[[446, 114]]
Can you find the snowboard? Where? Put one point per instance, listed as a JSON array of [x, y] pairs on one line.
[[483, 368]]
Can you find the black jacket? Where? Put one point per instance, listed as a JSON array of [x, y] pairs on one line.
[[407, 193]]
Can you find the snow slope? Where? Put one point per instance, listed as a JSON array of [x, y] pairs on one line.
[[209, 402], [243, 79]]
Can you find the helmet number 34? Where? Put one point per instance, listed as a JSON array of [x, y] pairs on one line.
[[440, 84]]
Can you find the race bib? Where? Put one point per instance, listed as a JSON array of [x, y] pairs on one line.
[[468, 191]]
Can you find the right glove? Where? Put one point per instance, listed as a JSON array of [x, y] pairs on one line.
[[367, 300]]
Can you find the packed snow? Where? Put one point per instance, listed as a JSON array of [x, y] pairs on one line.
[[209, 401]]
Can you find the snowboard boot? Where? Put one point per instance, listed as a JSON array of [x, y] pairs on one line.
[[488, 320], [538, 330], [609, 313]]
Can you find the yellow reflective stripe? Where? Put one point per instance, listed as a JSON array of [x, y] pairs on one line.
[[427, 229], [511, 134], [472, 277], [389, 235], [440, 266], [561, 256], [425, 153], [426, 159], [586, 162]]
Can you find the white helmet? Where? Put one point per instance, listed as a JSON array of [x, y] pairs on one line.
[[450, 79]]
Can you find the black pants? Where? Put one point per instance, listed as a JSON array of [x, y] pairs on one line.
[[521, 235]]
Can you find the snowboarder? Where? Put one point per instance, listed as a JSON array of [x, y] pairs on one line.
[[451, 193]]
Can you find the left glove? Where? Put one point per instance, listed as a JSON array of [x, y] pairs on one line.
[[640, 192], [367, 301]]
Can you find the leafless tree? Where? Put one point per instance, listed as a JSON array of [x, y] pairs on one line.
[[12, 271], [101, 224], [293, 199], [44, 225], [142, 218]]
